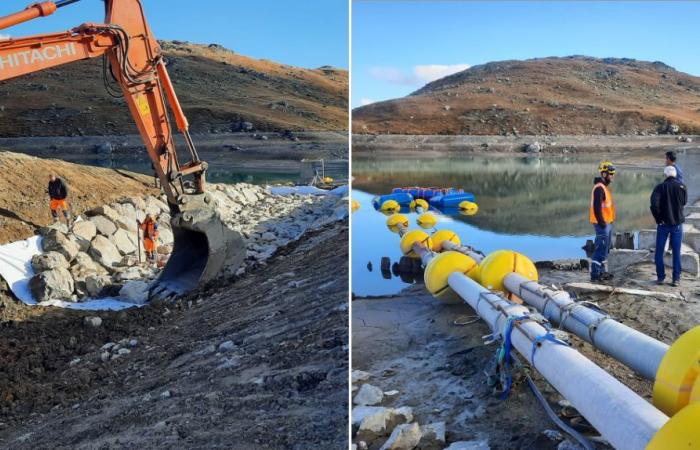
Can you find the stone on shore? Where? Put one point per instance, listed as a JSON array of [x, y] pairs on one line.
[[55, 284], [48, 261], [369, 395], [404, 437], [104, 251]]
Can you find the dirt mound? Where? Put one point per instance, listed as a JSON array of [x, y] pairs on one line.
[[220, 91], [259, 363], [23, 191], [572, 95]]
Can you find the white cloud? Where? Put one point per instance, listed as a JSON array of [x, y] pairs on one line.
[[434, 72], [421, 74], [4, 36], [391, 74], [366, 101]]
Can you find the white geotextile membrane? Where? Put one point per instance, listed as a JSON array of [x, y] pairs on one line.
[[16, 269]]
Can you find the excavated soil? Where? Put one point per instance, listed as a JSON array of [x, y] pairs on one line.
[[258, 362]]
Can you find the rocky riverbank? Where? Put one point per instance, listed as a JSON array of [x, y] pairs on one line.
[[99, 255], [396, 145]]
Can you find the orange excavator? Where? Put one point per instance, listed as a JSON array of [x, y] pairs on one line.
[[132, 57]]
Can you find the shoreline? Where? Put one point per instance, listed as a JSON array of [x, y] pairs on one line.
[[397, 145]]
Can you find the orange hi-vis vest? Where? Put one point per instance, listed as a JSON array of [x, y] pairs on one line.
[[150, 231], [607, 208]]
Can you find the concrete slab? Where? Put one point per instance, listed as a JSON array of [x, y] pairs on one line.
[[620, 259], [691, 237]]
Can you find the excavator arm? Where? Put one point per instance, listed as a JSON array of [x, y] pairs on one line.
[[134, 59]]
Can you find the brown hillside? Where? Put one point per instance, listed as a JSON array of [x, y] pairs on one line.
[[218, 89], [572, 95]]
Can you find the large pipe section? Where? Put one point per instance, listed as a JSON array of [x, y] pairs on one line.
[[636, 350], [626, 420], [622, 417]]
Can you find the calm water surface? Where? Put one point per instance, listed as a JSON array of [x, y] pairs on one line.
[[536, 206]]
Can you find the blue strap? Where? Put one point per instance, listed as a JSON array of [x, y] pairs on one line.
[[503, 357], [548, 336]]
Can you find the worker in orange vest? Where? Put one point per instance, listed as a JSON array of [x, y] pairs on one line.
[[602, 215], [150, 237], [58, 194]]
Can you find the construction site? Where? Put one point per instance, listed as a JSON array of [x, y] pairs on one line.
[[160, 294]]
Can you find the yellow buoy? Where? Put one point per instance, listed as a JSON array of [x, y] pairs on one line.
[[468, 208], [419, 203], [410, 238], [500, 263], [397, 221], [677, 381], [441, 236], [426, 220], [439, 269], [390, 206], [327, 180], [680, 432], [355, 205], [475, 274]]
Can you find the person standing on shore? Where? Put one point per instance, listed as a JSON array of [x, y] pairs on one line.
[[58, 195], [602, 215], [671, 161], [667, 202]]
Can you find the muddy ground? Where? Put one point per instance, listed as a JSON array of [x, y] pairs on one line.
[[412, 343], [258, 362]]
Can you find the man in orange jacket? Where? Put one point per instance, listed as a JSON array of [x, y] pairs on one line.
[[602, 215], [58, 193], [150, 237]]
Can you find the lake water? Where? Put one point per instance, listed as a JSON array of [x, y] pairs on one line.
[[536, 206]]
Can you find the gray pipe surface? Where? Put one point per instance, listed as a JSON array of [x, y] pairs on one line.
[[636, 350], [626, 420]]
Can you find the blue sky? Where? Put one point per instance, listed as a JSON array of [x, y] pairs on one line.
[[399, 46], [308, 33]]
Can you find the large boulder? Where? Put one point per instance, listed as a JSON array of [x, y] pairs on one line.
[[155, 206], [104, 226], [82, 268], [125, 242], [165, 236], [104, 251], [49, 261], [369, 395], [96, 285], [84, 231], [55, 284], [404, 437], [376, 422], [135, 292], [56, 241]]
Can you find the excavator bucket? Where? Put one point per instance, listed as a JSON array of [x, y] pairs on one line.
[[203, 246]]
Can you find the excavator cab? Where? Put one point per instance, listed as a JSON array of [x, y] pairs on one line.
[[133, 61]]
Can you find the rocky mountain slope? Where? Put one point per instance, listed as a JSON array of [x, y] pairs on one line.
[[220, 91], [545, 96]]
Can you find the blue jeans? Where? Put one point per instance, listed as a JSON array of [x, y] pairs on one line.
[[662, 234], [603, 242]]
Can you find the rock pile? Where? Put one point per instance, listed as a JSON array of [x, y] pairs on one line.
[[97, 256], [388, 427]]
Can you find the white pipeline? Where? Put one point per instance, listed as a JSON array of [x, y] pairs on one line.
[[622, 417], [451, 246], [636, 350]]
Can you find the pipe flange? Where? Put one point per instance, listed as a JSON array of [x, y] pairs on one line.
[[439, 269], [677, 381], [441, 236], [500, 263], [681, 431]]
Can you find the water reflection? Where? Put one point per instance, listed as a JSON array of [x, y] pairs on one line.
[[537, 206]]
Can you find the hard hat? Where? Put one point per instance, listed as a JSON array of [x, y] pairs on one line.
[[670, 171], [606, 166]]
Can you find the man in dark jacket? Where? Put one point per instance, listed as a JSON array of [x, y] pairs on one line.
[[667, 203], [58, 193]]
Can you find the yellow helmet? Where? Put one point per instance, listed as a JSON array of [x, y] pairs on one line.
[[606, 166]]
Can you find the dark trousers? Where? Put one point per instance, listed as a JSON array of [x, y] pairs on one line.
[[603, 242], [663, 232]]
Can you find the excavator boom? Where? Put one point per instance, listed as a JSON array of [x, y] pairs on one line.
[[203, 244]]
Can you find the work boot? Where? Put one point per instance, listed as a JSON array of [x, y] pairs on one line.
[[659, 282], [676, 283], [606, 276]]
